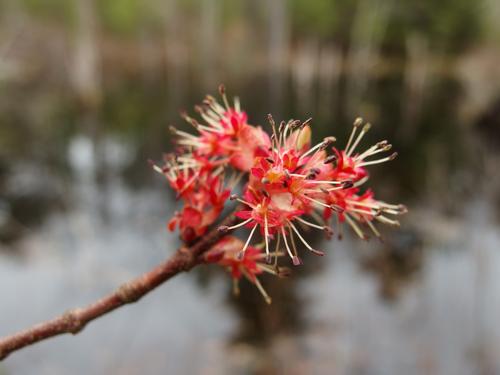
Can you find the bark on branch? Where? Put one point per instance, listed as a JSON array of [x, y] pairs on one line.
[[73, 321]]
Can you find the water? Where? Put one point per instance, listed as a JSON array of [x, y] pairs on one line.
[[86, 100], [443, 321]]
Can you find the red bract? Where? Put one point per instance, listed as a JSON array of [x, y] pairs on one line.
[[249, 266], [290, 185]]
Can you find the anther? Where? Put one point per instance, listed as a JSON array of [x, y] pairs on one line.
[[327, 142], [269, 160], [317, 252], [233, 197], [184, 115], [315, 170], [336, 208], [223, 229], [281, 127], [296, 261], [270, 119], [330, 159], [347, 184], [307, 122], [328, 231], [393, 156], [311, 176], [283, 271], [358, 122], [222, 89], [295, 124]]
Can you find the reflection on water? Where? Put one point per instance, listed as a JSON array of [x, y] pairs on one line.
[[443, 322], [81, 212]]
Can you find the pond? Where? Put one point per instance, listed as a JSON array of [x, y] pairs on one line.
[[81, 212]]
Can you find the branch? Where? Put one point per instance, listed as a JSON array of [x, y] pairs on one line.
[[73, 321]]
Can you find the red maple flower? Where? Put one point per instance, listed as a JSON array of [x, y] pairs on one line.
[[224, 135], [203, 194], [294, 180], [250, 266], [291, 185]]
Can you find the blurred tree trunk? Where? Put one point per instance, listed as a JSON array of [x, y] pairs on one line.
[[330, 69], [278, 53], [415, 78], [209, 29], [176, 57], [304, 73], [86, 70], [86, 79], [367, 33]]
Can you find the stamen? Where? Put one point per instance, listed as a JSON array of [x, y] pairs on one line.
[[311, 150], [241, 254], [236, 198], [304, 241], [386, 220], [216, 107], [357, 123], [266, 238], [262, 291], [292, 240], [222, 92], [174, 130], [373, 228], [317, 202], [278, 241], [388, 158], [225, 228], [295, 259], [372, 151], [155, 167], [356, 228], [361, 182], [236, 287], [360, 136], [308, 223], [237, 104], [330, 159]]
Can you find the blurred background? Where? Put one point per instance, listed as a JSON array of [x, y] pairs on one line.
[[87, 91]]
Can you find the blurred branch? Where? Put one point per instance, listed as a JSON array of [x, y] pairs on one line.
[[73, 321]]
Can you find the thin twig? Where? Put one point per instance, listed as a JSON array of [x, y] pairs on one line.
[[73, 321]]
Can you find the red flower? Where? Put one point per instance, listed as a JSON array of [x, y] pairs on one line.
[[249, 266], [293, 180], [225, 136], [203, 194], [290, 185]]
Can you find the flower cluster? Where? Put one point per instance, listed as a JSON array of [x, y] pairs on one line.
[[290, 185]]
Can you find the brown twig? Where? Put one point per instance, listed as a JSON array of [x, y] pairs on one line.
[[73, 321]]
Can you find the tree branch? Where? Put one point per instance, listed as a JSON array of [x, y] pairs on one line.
[[73, 321]]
